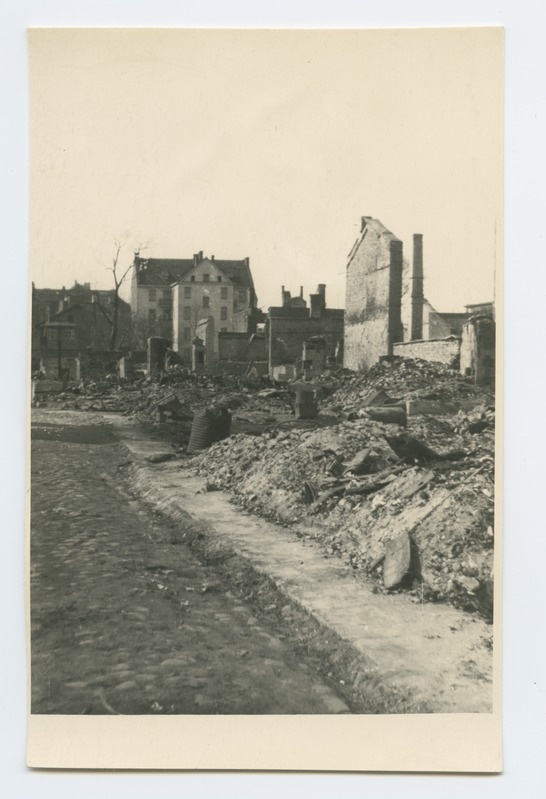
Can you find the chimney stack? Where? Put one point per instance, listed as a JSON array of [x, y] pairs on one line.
[[301, 292], [417, 294]]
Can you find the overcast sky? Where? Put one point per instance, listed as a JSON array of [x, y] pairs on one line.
[[270, 145]]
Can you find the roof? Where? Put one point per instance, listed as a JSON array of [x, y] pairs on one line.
[[166, 271]]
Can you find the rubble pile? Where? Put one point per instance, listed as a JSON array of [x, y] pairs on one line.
[[368, 490], [405, 379], [176, 398], [394, 476]]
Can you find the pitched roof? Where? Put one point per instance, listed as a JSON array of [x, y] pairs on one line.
[[165, 271]]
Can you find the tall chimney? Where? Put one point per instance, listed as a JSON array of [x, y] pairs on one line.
[[417, 295], [301, 292]]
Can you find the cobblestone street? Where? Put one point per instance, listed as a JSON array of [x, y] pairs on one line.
[[124, 618]]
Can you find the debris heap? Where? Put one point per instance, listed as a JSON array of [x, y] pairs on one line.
[[408, 504]]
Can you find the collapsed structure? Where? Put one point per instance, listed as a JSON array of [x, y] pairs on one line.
[[388, 314]]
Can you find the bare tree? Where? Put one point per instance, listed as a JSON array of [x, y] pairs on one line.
[[111, 314]]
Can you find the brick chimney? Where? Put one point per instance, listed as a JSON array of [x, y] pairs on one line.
[[318, 301], [417, 295], [285, 295]]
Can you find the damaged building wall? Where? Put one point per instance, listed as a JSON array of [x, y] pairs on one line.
[[241, 346], [478, 350], [444, 350], [288, 327], [373, 320]]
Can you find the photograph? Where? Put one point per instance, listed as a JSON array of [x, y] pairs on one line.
[[265, 312]]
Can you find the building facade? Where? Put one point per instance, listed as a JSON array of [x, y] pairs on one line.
[[171, 298]]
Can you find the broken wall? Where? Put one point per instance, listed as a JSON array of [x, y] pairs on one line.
[[373, 296], [445, 350], [478, 350], [241, 347]]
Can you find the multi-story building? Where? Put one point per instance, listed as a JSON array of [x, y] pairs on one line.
[[170, 298]]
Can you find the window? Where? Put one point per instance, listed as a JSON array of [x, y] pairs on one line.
[[166, 294], [241, 297], [223, 292], [223, 313], [192, 278], [167, 316], [187, 334], [151, 315], [206, 301], [51, 333], [187, 292], [151, 295], [219, 278], [69, 333], [187, 312], [206, 278]]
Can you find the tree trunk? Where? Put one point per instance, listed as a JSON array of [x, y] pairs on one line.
[[114, 335]]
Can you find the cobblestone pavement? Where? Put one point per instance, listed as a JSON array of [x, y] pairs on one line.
[[124, 618]]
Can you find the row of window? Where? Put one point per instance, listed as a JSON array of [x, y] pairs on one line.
[[187, 309], [166, 316], [152, 294], [166, 294]]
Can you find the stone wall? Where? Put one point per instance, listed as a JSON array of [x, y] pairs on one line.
[[373, 296], [444, 350]]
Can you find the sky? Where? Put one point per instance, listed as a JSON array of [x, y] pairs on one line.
[[267, 144]]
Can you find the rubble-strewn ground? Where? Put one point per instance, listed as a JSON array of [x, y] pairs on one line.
[[439, 491]]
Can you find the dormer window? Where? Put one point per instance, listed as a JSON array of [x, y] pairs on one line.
[[219, 278], [206, 278], [192, 278]]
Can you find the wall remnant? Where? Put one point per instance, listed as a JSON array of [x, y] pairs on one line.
[[478, 350], [442, 350], [373, 321], [289, 326]]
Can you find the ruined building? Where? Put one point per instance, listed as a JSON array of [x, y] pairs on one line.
[[297, 333], [387, 312], [373, 320]]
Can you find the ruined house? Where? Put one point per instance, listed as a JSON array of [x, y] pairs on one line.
[[294, 329], [373, 320], [387, 312]]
